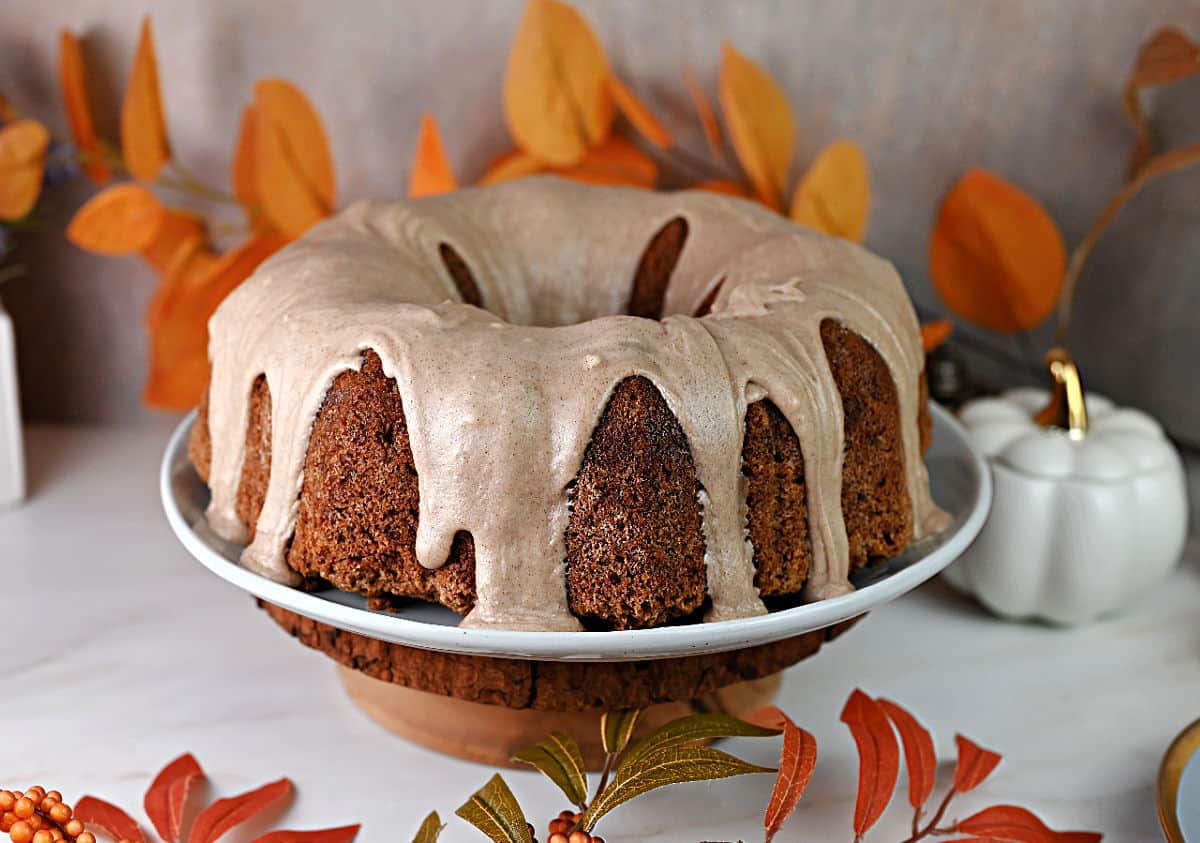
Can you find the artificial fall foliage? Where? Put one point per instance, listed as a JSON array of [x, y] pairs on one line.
[[561, 100], [282, 177], [674, 753], [996, 256], [565, 106], [677, 752], [37, 811]]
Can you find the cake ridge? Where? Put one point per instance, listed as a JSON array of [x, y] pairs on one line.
[[523, 424]]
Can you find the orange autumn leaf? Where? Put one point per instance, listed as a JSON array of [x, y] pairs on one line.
[[511, 165], [934, 334], [292, 164], [878, 758], [120, 220], [615, 162], [796, 764], [72, 77], [23, 145], [96, 812], [835, 194], [224, 814], [178, 316], [706, 113], [974, 764], [244, 173], [1168, 56], [179, 230], [1010, 822], [167, 795], [143, 128], [284, 108], [919, 756], [729, 188], [7, 114], [431, 172], [760, 122], [171, 331], [996, 257], [557, 100], [639, 114]]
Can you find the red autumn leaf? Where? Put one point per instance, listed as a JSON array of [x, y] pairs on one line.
[[167, 794], [974, 764], [92, 811], [878, 758], [225, 814], [1011, 823], [919, 756], [343, 834], [796, 764]]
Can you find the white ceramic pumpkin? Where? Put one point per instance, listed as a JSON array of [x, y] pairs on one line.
[[1081, 522]]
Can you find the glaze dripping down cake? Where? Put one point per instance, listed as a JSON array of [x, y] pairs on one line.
[[554, 406]]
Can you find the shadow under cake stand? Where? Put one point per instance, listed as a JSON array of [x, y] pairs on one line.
[[487, 709], [484, 694]]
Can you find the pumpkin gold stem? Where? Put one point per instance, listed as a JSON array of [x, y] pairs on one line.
[[1067, 409]]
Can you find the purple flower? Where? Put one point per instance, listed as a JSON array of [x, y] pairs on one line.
[[61, 164]]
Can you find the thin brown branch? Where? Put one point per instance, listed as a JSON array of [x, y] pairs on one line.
[[1159, 165], [931, 827]]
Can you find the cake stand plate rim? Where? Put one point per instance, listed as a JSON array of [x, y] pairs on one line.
[[952, 452]]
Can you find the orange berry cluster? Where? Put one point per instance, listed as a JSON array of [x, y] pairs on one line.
[[40, 816], [561, 830]]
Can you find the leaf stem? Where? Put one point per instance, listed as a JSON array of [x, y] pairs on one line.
[[697, 164], [1160, 165], [931, 827], [610, 758], [186, 181]]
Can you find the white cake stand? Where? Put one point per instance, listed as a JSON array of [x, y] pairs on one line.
[[412, 703]]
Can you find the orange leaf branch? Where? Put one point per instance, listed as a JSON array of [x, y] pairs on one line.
[[1169, 56], [1159, 165]]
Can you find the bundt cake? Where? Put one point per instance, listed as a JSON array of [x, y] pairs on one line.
[[548, 406]]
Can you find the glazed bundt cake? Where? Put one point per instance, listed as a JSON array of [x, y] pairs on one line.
[[548, 406]]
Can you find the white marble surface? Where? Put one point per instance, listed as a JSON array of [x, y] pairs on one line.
[[119, 653]]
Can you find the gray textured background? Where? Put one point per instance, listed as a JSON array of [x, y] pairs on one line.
[[928, 87]]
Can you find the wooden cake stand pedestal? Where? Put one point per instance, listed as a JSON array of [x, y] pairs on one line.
[[487, 709]]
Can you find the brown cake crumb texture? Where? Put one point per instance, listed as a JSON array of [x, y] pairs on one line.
[[551, 686], [635, 546]]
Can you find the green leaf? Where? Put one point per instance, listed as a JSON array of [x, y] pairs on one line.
[[693, 727], [616, 728], [430, 829], [494, 810], [559, 758], [668, 765]]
